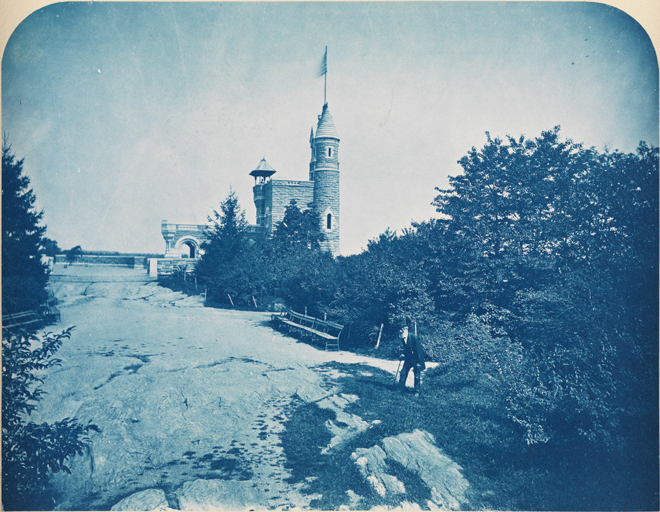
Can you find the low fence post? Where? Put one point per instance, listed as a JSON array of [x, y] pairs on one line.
[[379, 333]]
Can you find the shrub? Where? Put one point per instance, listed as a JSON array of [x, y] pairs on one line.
[[31, 452]]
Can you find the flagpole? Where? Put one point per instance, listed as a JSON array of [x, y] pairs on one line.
[[325, 80]]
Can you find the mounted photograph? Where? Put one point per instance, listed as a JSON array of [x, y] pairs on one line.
[[330, 256]]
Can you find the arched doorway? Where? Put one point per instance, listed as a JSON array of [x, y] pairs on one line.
[[188, 248]]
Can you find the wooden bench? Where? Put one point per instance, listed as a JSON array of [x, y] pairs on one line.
[[47, 314], [21, 319], [327, 332]]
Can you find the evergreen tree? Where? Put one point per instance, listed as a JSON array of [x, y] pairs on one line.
[[227, 264], [24, 276]]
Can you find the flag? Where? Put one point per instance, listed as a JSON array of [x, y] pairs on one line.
[[323, 68]]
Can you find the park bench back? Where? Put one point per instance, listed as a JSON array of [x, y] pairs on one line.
[[323, 330], [22, 319]]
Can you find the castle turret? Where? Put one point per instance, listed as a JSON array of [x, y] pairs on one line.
[[312, 161], [262, 175], [324, 172]]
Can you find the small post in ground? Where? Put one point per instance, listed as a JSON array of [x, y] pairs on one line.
[[379, 333]]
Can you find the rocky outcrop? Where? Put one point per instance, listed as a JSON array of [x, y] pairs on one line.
[[345, 426], [418, 453], [221, 495], [373, 468], [151, 499]]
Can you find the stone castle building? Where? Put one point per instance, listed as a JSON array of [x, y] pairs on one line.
[[272, 196], [320, 192]]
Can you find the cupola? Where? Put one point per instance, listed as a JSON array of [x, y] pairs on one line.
[[263, 172]]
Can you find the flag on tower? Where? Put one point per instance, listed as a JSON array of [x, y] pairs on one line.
[[323, 68]]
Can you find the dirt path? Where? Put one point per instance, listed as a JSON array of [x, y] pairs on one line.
[[182, 395]]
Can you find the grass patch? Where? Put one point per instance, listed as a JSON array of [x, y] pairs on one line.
[[304, 438], [470, 426]]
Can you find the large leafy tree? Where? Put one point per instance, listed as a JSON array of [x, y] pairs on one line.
[[51, 248], [297, 269], [383, 285], [74, 254], [24, 276], [298, 229], [556, 246]]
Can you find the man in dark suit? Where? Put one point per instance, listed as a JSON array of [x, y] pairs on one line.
[[412, 357]]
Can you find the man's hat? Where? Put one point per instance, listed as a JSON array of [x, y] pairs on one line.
[[402, 323]]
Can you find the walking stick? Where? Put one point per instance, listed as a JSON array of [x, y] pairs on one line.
[[397, 371]]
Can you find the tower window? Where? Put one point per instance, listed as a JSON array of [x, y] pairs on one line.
[[329, 152], [328, 224]]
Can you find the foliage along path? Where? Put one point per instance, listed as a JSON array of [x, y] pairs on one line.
[[192, 404]]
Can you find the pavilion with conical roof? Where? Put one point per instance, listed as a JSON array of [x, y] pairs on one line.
[[263, 171]]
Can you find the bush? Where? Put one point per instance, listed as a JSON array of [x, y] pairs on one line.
[[32, 452]]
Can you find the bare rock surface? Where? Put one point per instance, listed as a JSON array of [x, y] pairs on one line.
[[150, 499], [417, 452], [189, 402], [372, 465], [345, 426], [221, 495]]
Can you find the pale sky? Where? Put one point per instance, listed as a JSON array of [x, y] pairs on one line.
[[131, 113]]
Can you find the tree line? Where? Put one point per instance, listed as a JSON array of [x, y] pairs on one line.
[[540, 273]]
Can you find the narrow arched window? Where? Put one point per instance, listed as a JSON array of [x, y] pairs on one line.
[[329, 222], [330, 152]]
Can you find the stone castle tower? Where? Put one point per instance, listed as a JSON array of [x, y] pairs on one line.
[[272, 196], [320, 193], [324, 172]]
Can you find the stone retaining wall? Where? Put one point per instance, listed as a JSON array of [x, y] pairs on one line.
[[116, 261]]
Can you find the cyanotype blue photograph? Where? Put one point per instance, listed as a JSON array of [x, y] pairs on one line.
[[329, 256]]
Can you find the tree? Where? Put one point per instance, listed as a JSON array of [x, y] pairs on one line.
[[50, 247], [74, 254], [31, 452], [382, 285], [227, 264], [556, 245], [298, 229], [24, 276], [297, 269]]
